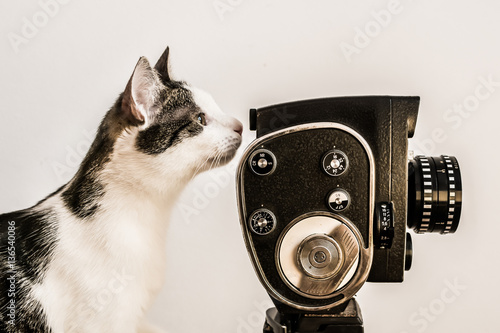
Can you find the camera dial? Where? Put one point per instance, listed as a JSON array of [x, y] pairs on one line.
[[262, 221], [338, 200], [262, 162], [335, 162], [318, 255], [384, 225]]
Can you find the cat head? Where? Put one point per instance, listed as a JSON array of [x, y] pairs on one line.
[[168, 129]]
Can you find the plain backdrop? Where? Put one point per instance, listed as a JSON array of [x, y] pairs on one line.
[[62, 66]]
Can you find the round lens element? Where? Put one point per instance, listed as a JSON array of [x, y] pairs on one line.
[[434, 194]]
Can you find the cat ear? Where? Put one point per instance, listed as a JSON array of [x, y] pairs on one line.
[[141, 93], [162, 66]]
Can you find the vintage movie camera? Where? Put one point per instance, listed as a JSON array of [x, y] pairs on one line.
[[326, 193]]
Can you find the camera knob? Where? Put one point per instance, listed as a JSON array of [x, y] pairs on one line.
[[262, 162], [338, 200], [335, 163], [262, 221], [319, 256]]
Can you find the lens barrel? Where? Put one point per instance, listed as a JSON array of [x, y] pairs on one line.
[[434, 194]]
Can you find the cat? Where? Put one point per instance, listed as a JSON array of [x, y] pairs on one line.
[[91, 256]]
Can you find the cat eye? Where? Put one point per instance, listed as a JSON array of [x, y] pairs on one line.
[[201, 119]]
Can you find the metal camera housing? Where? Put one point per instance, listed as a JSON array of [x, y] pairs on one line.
[[323, 197]]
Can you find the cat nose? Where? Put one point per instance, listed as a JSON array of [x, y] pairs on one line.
[[238, 126]]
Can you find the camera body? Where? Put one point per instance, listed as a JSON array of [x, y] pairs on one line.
[[323, 196]]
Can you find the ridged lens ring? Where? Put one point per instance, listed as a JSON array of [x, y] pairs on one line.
[[434, 194]]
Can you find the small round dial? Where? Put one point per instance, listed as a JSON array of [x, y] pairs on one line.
[[262, 162], [335, 162], [262, 221], [338, 200]]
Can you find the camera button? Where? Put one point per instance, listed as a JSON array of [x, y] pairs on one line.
[[338, 200], [262, 162], [262, 221], [335, 163]]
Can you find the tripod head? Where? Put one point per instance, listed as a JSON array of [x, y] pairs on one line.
[[344, 319]]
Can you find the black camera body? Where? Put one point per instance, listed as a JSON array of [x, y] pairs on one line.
[[325, 194]]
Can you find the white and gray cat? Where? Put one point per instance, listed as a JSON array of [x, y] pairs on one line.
[[91, 256]]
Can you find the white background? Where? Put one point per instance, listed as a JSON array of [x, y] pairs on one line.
[[57, 84]]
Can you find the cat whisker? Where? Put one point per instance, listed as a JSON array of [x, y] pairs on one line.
[[201, 165], [213, 162]]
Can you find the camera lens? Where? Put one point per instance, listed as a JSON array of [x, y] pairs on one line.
[[434, 194]]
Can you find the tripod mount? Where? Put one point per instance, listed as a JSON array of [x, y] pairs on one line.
[[343, 319]]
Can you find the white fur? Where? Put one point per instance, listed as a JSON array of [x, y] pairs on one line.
[[106, 271]]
